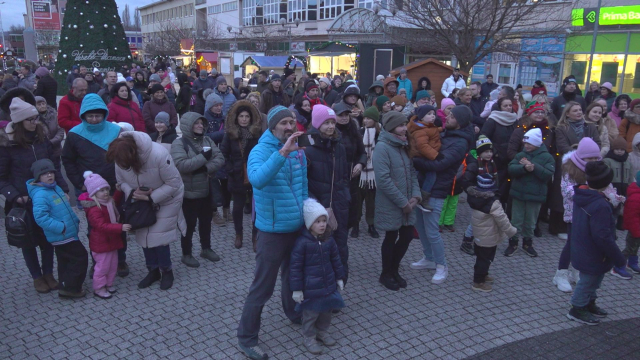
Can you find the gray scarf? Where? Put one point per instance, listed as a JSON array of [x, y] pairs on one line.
[[578, 128], [245, 135]]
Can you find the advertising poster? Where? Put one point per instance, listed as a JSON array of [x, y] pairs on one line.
[[46, 14], [542, 59]]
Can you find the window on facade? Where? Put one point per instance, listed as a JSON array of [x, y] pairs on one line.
[[302, 9], [274, 10], [329, 9], [229, 6], [368, 4]]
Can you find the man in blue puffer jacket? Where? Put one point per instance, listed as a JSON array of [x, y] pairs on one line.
[[278, 174]]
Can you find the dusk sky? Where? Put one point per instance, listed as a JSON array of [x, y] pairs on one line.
[[12, 10]]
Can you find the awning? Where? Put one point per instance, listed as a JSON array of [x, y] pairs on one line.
[[270, 61]]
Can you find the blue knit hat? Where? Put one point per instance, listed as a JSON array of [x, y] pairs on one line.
[[276, 114], [422, 94]]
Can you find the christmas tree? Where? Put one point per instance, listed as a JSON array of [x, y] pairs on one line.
[[92, 35]]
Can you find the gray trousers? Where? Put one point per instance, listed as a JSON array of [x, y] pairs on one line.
[[313, 322], [273, 254]]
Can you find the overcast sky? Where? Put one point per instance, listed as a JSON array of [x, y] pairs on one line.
[[12, 10]]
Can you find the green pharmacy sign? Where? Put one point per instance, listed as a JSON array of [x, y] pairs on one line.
[[612, 15]]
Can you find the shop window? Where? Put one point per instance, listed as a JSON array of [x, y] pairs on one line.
[[609, 73], [579, 70], [505, 73]]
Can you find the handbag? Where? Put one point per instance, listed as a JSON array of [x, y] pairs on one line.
[[19, 228], [332, 222], [139, 214]]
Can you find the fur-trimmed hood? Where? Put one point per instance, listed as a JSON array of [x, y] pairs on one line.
[[632, 117], [86, 201], [5, 101], [231, 124]]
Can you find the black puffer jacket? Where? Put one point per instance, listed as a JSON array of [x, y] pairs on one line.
[[320, 159], [48, 89], [560, 101], [353, 146], [15, 165], [80, 155], [455, 146]]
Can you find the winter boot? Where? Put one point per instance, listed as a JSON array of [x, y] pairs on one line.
[[40, 284], [401, 282], [632, 264], [595, 310], [209, 255], [355, 231], [484, 287], [123, 269], [226, 214], [238, 242], [167, 280], [51, 281], [582, 315], [312, 345], [561, 280], [527, 246], [190, 261], [152, 276], [389, 282], [373, 232], [217, 219], [513, 246], [424, 204], [467, 246], [325, 338]]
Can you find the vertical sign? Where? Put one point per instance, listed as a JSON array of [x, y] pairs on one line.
[[46, 14]]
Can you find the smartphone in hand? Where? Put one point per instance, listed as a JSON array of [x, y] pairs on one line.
[[306, 140]]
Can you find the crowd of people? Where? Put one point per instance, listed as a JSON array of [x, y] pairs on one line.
[[147, 151]]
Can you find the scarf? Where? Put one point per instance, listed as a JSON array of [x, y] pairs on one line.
[[578, 128], [367, 176], [305, 116], [503, 118], [113, 212], [620, 159], [245, 135]]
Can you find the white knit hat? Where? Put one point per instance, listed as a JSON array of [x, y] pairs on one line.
[[21, 110], [533, 137], [312, 211]]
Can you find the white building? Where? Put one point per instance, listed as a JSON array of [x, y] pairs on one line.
[[166, 21]]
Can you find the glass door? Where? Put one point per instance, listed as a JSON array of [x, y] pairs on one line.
[[506, 74]]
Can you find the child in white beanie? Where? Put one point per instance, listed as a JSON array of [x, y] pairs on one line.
[[315, 276]]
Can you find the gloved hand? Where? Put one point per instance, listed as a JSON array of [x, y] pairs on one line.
[[407, 209], [340, 284], [297, 296], [207, 154]]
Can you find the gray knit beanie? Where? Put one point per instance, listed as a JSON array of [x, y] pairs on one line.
[[162, 117]]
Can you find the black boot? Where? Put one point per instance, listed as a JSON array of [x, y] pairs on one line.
[[467, 246], [527, 246], [513, 246], [152, 276], [372, 231], [595, 310], [355, 231], [389, 282], [167, 280], [401, 282]]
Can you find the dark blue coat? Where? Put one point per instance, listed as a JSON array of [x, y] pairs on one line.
[[455, 146], [593, 233], [315, 266]]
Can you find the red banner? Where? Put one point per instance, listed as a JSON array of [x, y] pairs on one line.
[[45, 14]]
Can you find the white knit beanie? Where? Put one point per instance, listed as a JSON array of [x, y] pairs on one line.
[[312, 210], [21, 110], [533, 137]]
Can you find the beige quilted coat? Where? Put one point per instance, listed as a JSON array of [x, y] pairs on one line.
[[491, 229]]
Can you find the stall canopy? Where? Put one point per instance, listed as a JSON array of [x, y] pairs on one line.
[[271, 62], [333, 49]]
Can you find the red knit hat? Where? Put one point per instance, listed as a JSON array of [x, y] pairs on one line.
[[538, 90], [533, 107]]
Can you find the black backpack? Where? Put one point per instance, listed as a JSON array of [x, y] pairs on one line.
[[19, 228]]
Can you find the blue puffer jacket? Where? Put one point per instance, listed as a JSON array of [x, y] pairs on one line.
[[315, 266], [228, 99], [593, 233], [406, 84], [53, 213], [279, 186]]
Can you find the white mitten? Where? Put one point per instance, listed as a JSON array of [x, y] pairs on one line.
[[340, 284], [297, 296]]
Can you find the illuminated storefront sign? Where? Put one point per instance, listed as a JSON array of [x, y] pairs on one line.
[[612, 15]]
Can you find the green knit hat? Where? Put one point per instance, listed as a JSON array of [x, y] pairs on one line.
[[380, 101], [372, 113]]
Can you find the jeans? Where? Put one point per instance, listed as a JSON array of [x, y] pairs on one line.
[[33, 263], [448, 212], [73, 261], [105, 269], [314, 322], [524, 216], [158, 257], [585, 290], [565, 255], [197, 211], [272, 257], [394, 247], [484, 258], [239, 200], [427, 227], [429, 180]]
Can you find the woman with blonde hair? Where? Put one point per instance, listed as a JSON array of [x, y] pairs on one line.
[[593, 116]]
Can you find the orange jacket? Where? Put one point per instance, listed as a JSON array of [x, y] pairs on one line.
[[425, 140]]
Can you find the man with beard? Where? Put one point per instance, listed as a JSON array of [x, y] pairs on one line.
[[313, 93], [278, 173], [274, 95], [568, 94]]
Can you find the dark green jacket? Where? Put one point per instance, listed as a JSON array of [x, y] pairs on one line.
[[531, 186]]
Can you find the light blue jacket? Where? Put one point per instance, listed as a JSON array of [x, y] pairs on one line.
[[406, 84], [53, 213], [279, 186]]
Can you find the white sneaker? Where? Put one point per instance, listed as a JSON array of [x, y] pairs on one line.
[[561, 280], [440, 275], [423, 264], [563, 236]]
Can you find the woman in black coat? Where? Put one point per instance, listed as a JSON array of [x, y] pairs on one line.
[[327, 170], [243, 128], [22, 143], [183, 100]]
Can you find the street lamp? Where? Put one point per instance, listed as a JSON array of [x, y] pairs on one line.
[[235, 35], [283, 22]]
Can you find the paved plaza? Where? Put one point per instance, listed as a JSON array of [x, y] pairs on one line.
[[198, 317]]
